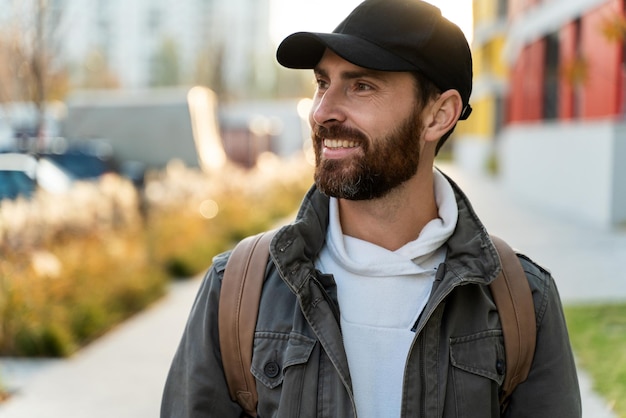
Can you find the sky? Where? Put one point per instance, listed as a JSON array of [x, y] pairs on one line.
[[288, 16]]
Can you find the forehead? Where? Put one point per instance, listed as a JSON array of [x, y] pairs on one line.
[[331, 59], [331, 63]]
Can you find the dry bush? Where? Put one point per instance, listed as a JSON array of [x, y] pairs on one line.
[[73, 266], [110, 204], [192, 216]]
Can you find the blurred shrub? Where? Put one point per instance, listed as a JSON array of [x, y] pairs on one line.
[[73, 267], [110, 204], [193, 216]]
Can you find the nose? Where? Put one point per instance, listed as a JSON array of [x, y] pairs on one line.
[[328, 108]]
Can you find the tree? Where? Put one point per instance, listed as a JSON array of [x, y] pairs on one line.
[[97, 73], [209, 70], [29, 51], [165, 65]]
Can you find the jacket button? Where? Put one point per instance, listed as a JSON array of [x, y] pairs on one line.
[[500, 367], [271, 369]]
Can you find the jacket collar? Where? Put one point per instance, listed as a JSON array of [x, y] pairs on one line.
[[471, 255]]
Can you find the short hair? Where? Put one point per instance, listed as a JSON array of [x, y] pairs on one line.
[[426, 90]]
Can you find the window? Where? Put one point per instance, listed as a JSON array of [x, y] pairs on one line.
[[577, 94], [551, 77], [503, 8]]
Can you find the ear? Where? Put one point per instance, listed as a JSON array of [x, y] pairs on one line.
[[441, 115]]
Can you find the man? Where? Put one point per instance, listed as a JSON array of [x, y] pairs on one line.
[[376, 301]]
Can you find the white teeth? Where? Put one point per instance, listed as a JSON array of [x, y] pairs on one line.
[[337, 143]]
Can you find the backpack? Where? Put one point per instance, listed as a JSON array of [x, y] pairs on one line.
[[241, 293]]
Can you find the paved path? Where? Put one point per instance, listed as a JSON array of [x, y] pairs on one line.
[[121, 375], [585, 260]]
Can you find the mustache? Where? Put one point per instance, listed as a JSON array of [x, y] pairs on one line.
[[339, 132]]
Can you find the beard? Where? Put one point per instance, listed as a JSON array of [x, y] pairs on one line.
[[383, 164]]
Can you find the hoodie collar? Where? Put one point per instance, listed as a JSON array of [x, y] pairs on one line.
[[471, 255]]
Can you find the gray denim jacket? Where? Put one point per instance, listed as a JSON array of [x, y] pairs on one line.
[[454, 368]]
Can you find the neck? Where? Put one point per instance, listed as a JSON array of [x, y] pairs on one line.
[[394, 219]]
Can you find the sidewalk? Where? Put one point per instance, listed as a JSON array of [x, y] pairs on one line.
[[584, 259], [122, 374]]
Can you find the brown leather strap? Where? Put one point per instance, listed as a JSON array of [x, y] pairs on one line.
[[513, 298], [238, 309], [241, 293]]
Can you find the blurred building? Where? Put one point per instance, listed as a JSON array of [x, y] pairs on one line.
[[549, 104], [250, 128], [131, 65], [150, 127], [143, 43], [474, 145]]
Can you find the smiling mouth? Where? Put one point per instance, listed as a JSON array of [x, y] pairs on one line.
[[339, 143]]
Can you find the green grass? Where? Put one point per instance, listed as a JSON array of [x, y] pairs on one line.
[[598, 335]]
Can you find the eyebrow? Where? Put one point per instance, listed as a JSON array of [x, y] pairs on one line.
[[349, 75]]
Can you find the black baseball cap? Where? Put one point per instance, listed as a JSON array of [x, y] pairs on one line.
[[392, 35]]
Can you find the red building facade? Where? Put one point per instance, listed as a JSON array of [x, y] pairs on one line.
[[575, 71]]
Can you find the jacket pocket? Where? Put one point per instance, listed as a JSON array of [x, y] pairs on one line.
[[279, 363], [477, 372]]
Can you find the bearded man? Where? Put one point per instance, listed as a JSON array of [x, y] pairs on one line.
[[376, 301]]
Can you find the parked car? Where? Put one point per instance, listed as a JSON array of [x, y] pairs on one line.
[[80, 162], [78, 165], [18, 174], [22, 174], [81, 165], [52, 177]]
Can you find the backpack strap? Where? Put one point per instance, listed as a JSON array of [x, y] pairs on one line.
[[238, 310], [241, 294], [513, 298]]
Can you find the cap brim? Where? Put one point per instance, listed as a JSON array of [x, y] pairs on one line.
[[303, 50]]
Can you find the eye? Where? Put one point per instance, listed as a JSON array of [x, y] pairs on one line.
[[322, 84], [360, 86]]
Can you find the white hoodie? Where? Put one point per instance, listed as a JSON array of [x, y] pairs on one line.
[[381, 294]]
